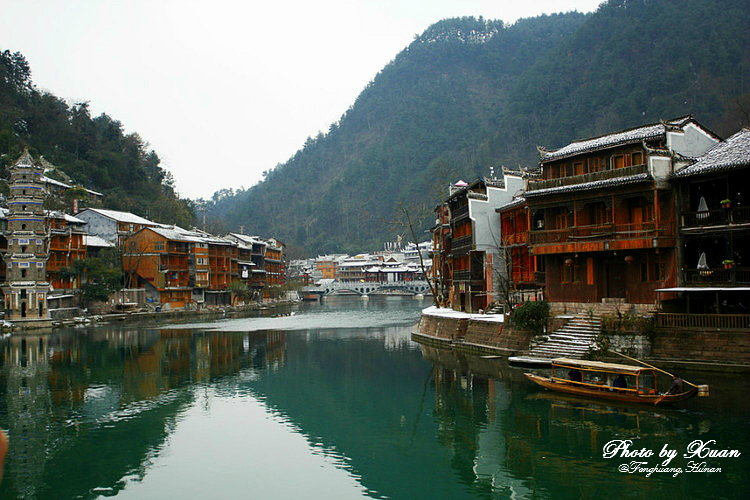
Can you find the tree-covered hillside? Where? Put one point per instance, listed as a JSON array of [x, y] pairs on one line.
[[93, 152], [469, 93]]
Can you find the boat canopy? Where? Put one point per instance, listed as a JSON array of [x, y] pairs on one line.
[[600, 366]]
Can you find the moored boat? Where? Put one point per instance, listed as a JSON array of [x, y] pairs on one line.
[[612, 382]]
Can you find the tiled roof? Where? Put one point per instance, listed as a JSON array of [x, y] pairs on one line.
[[95, 241], [727, 155], [586, 186], [638, 134], [176, 235], [247, 239], [516, 202], [126, 217]]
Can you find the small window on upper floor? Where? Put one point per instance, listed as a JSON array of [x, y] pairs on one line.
[[637, 158]]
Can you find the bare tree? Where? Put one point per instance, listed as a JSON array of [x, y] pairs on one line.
[[404, 222]]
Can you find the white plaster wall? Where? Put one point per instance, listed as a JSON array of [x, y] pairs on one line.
[[691, 142]]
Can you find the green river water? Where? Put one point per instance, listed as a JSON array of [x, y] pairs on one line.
[[331, 401]]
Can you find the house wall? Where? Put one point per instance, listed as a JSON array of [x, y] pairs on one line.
[[99, 225], [691, 142], [487, 229]]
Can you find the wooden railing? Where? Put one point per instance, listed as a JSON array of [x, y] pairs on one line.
[[593, 176], [515, 238], [704, 321], [719, 217], [602, 232], [716, 276], [462, 244], [460, 212]]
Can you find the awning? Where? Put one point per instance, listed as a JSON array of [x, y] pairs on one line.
[[705, 289]]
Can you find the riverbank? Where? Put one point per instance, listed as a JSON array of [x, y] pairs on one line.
[[491, 336], [480, 334], [208, 314]]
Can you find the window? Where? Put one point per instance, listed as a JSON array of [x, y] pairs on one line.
[[566, 273], [563, 218], [159, 246], [637, 158], [653, 268], [575, 273], [618, 161]]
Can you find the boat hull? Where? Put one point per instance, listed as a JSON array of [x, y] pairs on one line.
[[607, 393]]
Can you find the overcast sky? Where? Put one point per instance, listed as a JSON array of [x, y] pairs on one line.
[[223, 90]]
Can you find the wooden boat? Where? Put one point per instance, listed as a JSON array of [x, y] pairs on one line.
[[595, 379]]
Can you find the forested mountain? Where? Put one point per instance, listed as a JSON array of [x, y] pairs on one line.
[[470, 93], [92, 152]]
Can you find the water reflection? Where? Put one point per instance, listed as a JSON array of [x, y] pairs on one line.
[[510, 438], [346, 408], [114, 393]]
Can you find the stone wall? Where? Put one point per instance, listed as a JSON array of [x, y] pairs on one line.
[[476, 332], [605, 308], [443, 327], [702, 346], [496, 334]]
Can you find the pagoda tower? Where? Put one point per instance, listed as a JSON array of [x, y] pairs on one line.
[[26, 286]]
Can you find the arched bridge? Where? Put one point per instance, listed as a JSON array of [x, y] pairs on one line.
[[364, 288]]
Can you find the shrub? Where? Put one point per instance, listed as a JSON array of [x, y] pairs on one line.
[[531, 316]]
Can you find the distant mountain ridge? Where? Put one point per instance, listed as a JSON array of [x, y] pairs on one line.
[[471, 93]]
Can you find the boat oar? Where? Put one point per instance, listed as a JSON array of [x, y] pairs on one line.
[[651, 366], [660, 399]]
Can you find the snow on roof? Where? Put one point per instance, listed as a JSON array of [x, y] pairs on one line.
[[126, 217], [358, 263], [252, 240], [516, 202], [726, 155], [55, 214], [629, 136], [586, 186], [55, 182], [176, 235], [96, 241]]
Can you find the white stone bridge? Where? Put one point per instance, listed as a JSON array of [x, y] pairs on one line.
[[365, 288]]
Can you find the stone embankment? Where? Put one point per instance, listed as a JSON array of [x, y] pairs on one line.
[[152, 316], [481, 334], [587, 335]]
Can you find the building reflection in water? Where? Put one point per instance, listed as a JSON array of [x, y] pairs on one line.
[[120, 387], [509, 438]]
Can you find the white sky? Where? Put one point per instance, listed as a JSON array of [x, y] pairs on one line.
[[224, 90]]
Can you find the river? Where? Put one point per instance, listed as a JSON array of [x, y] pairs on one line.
[[330, 401]]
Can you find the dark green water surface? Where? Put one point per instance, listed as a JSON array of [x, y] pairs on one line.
[[332, 401]]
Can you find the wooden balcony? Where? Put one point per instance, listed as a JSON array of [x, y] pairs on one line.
[[712, 218], [704, 321], [717, 276], [601, 232], [592, 177], [515, 239], [462, 245], [460, 213]]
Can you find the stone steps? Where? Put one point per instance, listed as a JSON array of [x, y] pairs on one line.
[[573, 340]]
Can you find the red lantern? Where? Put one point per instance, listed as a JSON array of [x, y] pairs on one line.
[[629, 259]]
